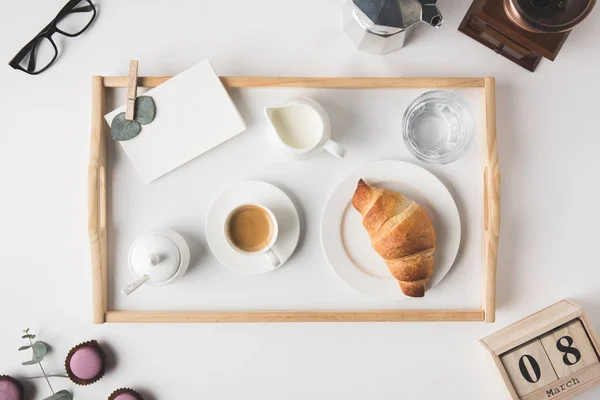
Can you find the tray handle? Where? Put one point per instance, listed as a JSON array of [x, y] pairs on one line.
[[97, 204], [491, 203]]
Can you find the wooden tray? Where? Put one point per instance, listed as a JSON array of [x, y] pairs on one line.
[[97, 204]]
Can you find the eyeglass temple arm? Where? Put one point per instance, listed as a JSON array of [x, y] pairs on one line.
[[31, 63], [83, 9]]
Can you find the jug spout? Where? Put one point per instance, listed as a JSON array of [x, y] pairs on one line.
[[269, 111]]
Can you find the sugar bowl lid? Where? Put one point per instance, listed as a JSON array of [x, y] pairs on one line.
[[156, 255], [548, 16]]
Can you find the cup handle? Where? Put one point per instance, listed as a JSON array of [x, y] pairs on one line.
[[335, 149], [273, 259]]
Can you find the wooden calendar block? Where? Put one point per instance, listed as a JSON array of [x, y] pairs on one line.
[[529, 368], [569, 349], [552, 354]]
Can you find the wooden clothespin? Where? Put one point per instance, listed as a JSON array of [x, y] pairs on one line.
[[131, 90]]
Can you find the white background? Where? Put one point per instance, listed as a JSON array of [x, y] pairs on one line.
[[547, 139]]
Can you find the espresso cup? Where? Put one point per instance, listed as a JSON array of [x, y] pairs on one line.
[[252, 229]]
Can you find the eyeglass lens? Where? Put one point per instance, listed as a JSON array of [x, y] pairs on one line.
[[41, 54], [76, 20]]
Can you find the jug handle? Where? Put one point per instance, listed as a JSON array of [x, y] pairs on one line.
[[334, 148]]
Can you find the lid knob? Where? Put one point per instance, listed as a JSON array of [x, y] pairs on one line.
[[153, 259]]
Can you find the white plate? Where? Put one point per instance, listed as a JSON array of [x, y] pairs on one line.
[[252, 192], [347, 245]]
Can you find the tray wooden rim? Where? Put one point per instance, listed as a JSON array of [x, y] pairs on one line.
[[97, 213]]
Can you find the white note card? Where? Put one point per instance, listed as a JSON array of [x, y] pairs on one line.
[[194, 114]]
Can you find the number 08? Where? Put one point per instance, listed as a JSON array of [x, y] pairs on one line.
[[567, 349]]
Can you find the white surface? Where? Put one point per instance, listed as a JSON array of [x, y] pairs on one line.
[[194, 114], [346, 243], [266, 195], [548, 145]]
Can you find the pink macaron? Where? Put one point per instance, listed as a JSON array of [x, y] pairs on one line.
[[85, 363]]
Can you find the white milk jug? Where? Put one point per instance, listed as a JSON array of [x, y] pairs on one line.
[[301, 128]]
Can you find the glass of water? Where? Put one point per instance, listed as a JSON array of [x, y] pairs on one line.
[[438, 127]]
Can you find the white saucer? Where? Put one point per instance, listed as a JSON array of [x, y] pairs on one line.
[[347, 245], [252, 192]]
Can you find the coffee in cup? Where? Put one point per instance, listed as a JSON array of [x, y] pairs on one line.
[[252, 229]]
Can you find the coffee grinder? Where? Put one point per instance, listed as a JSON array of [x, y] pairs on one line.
[[524, 31]]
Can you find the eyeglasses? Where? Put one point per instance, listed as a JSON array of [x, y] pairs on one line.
[[41, 52]]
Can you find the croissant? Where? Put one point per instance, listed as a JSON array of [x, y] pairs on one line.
[[401, 232]]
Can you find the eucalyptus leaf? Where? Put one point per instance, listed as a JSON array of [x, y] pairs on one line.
[[28, 336], [124, 129], [33, 362], [24, 348], [39, 349], [62, 395], [145, 110]]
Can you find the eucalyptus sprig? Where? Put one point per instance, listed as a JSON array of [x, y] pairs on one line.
[[123, 129], [40, 349]]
